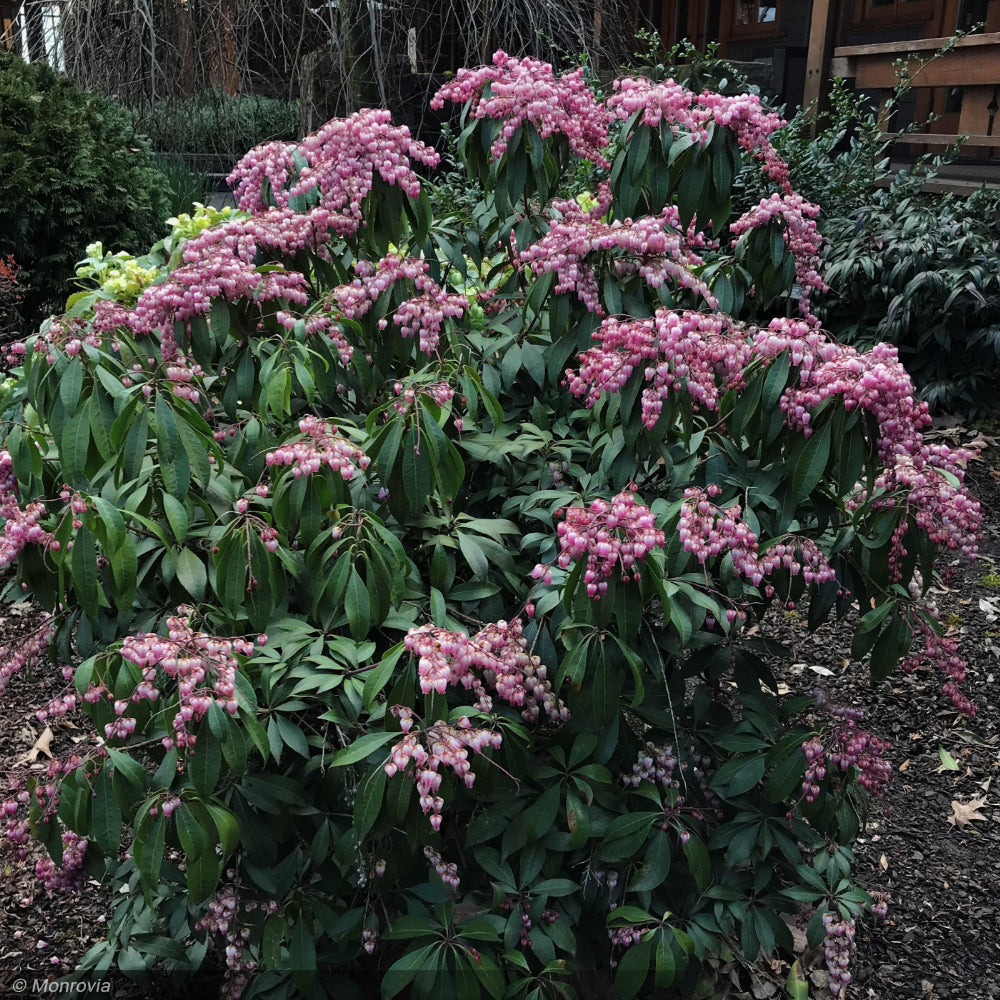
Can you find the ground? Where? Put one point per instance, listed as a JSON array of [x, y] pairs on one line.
[[941, 940]]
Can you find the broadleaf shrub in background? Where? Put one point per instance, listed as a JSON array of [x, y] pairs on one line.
[[413, 570], [72, 170], [215, 123]]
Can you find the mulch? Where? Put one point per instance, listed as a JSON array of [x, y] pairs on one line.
[[941, 939]]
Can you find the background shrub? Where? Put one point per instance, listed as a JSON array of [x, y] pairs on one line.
[[217, 124], [72, 170]]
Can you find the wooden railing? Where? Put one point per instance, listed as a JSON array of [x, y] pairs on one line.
[[973, 63]]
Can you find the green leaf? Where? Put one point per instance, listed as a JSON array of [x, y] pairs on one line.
[[205, 764], [136, 440], [275, 932], [403, 971], [73, 446], [656, 865], [71, 385], [111, 526], [228, 827], [889, 647], [177, 517], [357, 605], [786, 776], [192, 574], [948, 763], [361, 748], [542, 813], [302, 956], [219, 318], [807, 464], [106, 817], [698, 861], [416, 471], [797, 986], [633, 968], [147, 851], [473, 553], [84, 565], [131, 770], [377, 678], [175, 469], [368, 801]]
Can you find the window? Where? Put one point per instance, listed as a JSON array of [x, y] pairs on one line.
[[893, 12], [751, 13], [751, 18]]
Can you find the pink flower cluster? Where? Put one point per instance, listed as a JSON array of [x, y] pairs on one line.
[[704, 352], [67, 334], [495, 658], [46, 799], [420, 316], [656, 764], [21, 527], [682, 109], [264, 170], [653, 246], [928, 485], [447, 870], [441, 392], [611, 534], [320, 444], [838, 950], [203, 668], [342, 160], [223, 918], [941, 652], [214, 268], [845, 747], [516, 91], [67, 877], [424, 315], [429, 749], [706, 530], [796, 217], [27, 651]]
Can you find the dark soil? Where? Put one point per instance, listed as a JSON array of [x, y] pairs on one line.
[[941, 940]]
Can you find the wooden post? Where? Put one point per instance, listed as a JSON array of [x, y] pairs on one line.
[[822, 38]]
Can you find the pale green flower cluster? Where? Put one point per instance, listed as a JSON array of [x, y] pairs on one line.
[[185, 226], [119, 276]]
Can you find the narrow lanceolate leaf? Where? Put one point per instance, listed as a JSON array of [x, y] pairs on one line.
[[302, 955], [357, 605], [134, 449], [191, 573], [106, 824], [368, 801], [147, 850], [74, 446], [175, 469], [84, 566], [807, 464], [361, 748], [416, 471], [71, 385]]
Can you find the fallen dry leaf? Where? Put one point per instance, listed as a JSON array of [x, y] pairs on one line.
[[41, 745], [884, 862], [963, 813], [904, 765]]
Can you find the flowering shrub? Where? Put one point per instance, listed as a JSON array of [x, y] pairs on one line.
[[367, 530]]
